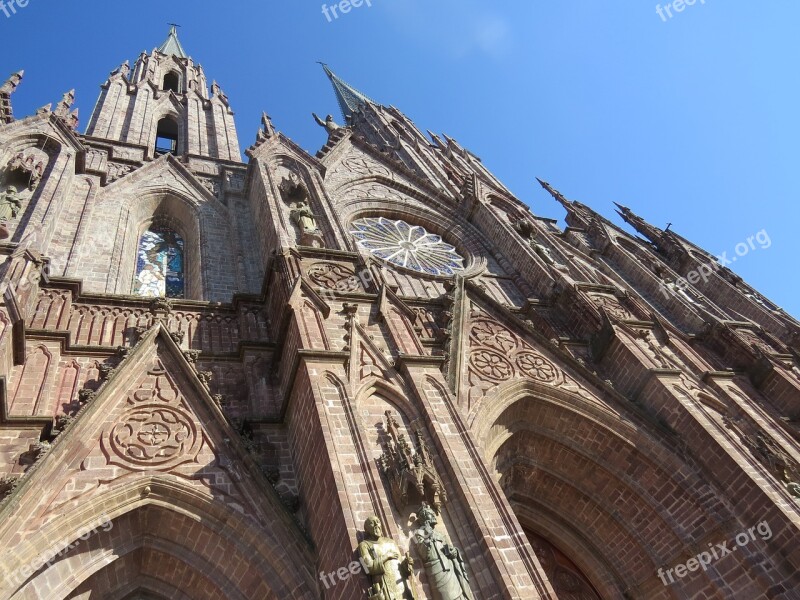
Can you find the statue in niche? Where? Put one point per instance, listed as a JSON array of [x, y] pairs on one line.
[[296, 195], [522, 227], [443, 563], [329, 124], [303, 217], [546, 254], [10, 204], [391, 574]]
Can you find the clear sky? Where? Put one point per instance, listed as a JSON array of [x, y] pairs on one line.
[[691, 120]]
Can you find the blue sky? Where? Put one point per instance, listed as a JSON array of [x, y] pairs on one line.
[[692, 121]]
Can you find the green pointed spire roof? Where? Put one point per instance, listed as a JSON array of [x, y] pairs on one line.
[[172, 45], [349, 98]]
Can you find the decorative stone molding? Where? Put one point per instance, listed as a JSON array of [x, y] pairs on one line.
[[409, 470], [333, 276]]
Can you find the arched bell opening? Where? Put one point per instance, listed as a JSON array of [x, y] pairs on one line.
[[172, 82], [167, 137]]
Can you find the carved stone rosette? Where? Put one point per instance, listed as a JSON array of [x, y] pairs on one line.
[[409, 470], [156, 431]]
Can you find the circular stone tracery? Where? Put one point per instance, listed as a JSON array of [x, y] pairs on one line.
[[406, 246], [154, 437]]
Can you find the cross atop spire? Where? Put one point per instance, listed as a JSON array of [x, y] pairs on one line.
[[172, 45], [349, 98]]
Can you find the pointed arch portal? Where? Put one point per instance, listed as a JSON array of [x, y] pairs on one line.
[[586, 488], [158, 541]]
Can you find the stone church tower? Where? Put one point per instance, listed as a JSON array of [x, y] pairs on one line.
[[214, 372]]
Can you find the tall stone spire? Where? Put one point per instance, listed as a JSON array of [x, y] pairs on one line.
[[172, 46], [349, 98]]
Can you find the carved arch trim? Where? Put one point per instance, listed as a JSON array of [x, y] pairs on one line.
[[170, 494]]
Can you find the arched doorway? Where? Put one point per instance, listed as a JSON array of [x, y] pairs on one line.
[[588, 483]]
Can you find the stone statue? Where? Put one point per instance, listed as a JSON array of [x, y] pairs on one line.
[[389, 573], [10, 204], [523, 228], [443, 563], [303, 217], [544, 253], [679, 290], [329, 124]]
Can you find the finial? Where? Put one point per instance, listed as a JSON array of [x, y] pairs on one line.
[[63, 107], [266, 121], [12, 82], [172, 46], [554, 192], [623, 211]]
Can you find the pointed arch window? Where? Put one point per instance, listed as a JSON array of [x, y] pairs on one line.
[[160, 265]]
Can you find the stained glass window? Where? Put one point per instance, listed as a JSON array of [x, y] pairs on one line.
[[160, 264], [407, 246]]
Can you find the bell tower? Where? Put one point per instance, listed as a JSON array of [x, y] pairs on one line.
[[163, 105]]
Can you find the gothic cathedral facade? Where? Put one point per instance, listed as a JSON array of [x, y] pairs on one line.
[[366, 373]]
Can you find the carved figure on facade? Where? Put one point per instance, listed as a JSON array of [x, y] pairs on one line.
[[296, 195], [390, 572], [544, 253], [328, 124], [212, 185], [306, 221], [680, 290], [410, 470], [10, 205], [443, 562]]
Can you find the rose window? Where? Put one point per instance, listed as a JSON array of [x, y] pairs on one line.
[[407, 246]]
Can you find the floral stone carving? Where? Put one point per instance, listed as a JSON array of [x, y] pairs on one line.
[[410, 471]]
